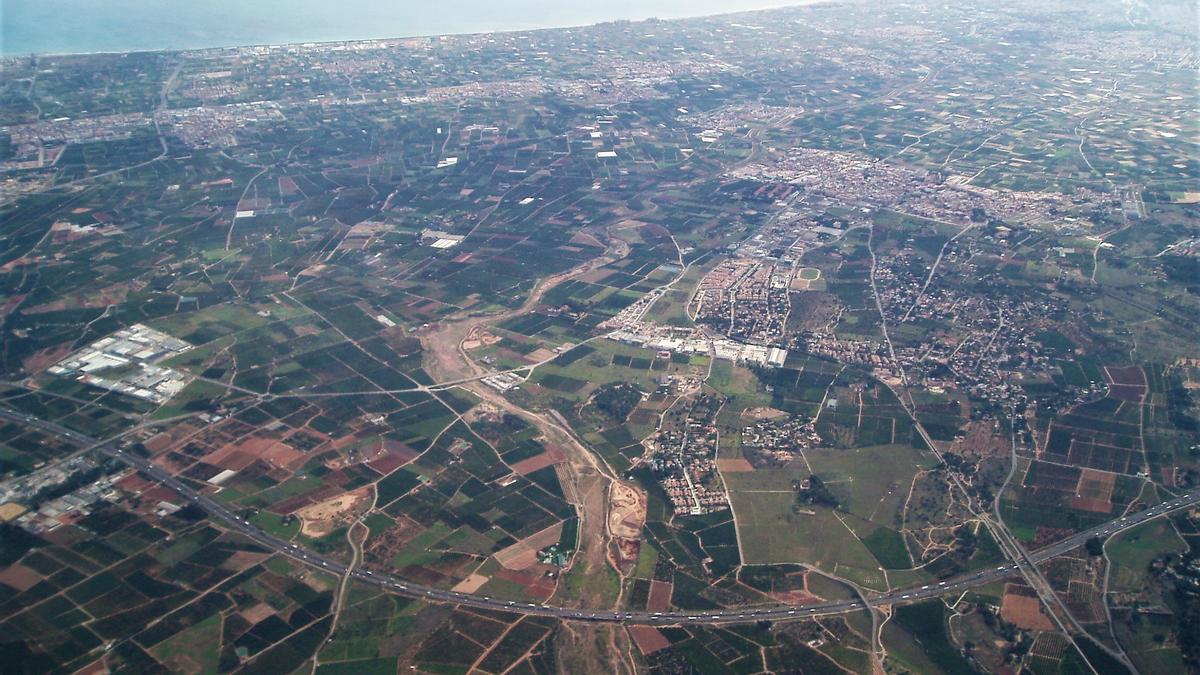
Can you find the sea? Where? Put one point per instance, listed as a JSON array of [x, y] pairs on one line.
[[78, 26]]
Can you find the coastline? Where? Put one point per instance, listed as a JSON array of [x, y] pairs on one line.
[[784, 4]]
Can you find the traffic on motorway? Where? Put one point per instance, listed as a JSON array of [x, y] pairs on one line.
[[401, 587]]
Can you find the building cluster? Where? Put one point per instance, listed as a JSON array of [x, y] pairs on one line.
[[871, 354], [360, 65], [735, 116], [986, 356], [742, 352], [504, 381], [855, 179], [212, 86], [750, 344], [216, 126], [900, 279], [671, 339], [25, 488], [1189, 247], [521, 88], [554, 555], [988, 347], [67, 508], [129, 362], [799, 226], [711, 303], [683, 456], [745, 299], [29, 138], [777, 442], [760, 304], [440, 240], [201, 126], [632, 315]]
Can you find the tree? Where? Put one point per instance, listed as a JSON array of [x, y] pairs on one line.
[[616, 401], [814, 494]]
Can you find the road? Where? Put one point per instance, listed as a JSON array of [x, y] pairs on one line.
[[227, 518], [1023, 564]]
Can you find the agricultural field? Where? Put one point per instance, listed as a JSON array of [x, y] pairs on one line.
[[532, 352]]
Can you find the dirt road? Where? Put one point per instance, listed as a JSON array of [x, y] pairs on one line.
[[586, 481]]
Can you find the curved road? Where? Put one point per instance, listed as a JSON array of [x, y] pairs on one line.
[[725, 616]]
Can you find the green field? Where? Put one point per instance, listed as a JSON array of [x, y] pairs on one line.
[[771, 532], [872, 483], [194, 649], [1132, 550]]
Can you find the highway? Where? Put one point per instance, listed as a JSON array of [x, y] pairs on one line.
[[219, 513]]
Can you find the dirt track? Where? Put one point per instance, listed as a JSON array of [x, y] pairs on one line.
[[445, 358], [586, 482]]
